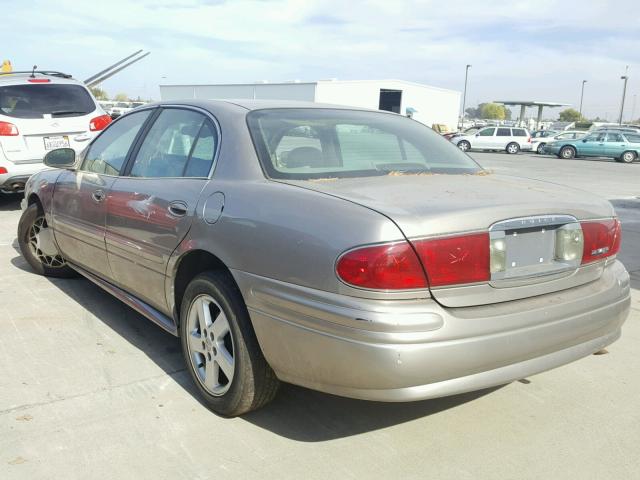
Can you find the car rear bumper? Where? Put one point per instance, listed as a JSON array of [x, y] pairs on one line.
[[18, 173], [413, 350]]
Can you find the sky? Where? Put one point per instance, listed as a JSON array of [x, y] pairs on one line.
[[534, 49]]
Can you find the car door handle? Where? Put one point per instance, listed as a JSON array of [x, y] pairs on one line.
[[178, 208], [97, 196], [82, 138]]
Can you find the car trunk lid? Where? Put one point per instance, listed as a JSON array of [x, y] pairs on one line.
[[524, 212]]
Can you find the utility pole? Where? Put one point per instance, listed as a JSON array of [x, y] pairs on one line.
[[582, 96], [624, 77], [464, 96]]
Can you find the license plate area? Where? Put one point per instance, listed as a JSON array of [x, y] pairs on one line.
[[58, 141], [525, 248]]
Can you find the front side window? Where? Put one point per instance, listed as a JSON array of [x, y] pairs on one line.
[[37, 100], [180, 143], [487, 132], [504, 132], [318, 143], [109, 151]]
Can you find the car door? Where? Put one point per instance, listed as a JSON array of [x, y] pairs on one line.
[[151, 206], [592, 145], [79, 207], [502, 138], [484, 139], [615, 145]]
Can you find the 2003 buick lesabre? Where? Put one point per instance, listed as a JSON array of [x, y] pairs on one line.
[[348, 251]]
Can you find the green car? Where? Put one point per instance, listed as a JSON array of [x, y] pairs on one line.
[[622, 146]]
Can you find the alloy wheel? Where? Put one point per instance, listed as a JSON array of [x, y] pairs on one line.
[[35, 245], [211, 346]]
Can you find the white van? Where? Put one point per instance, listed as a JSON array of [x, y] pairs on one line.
[[508, 139]]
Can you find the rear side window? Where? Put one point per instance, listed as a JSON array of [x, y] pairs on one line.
[[632, 137], [614, 137], [180, 143], [519, 132], [504, 132], [109, 151], [37, 100]]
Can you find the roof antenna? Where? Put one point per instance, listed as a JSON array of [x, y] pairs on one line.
[[33, 72]]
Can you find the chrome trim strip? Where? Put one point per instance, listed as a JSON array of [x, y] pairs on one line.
[[533, 221]]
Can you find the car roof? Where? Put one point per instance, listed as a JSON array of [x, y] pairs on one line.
[[21, 78], [250, 105]]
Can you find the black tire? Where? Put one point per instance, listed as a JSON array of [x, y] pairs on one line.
[[567, 152], [47, 265], [254, 384], [628, 157], [464, 146], [540, 148], [512, 148]]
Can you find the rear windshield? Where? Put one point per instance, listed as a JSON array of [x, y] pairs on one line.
[[36, 100], [319, 143]]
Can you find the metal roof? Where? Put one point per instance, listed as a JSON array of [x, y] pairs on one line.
[[532, 103]]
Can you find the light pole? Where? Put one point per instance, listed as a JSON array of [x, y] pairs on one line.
[[624, 93], [464, 95], [582, 96]]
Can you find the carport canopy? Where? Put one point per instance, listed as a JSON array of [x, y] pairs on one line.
[[531, 103]]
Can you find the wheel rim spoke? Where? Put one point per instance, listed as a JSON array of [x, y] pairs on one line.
[[220, 326], [52, 261], [225, 361], [212, 375], [195, 343]]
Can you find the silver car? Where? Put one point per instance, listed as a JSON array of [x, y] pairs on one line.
[[507, 139], [349, 251]]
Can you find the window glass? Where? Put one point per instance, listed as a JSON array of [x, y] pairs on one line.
[[614, 137], [519, 132], [504, 132], [487, 132], [203, 152], [36, 100], [595, 137], [109, 151], [564, 136], [166, 147], [320, 143], [632, 137]]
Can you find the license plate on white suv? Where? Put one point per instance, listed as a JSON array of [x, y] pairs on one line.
[[51, 143]]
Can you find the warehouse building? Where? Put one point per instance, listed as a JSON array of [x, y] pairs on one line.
[[429, 105]]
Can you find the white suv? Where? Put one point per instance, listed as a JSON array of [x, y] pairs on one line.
[[509, 139], [41, 111]]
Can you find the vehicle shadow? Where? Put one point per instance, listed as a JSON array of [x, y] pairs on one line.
[[10, 201], [296, 413]]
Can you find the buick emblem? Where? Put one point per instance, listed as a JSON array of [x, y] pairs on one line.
[[55, 124]]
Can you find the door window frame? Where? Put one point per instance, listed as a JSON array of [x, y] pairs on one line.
[[141, 132], [125, 172]]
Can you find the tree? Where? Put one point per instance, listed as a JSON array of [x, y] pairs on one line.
[[493, 111], [121, 97], [570, 115], [99, 93]]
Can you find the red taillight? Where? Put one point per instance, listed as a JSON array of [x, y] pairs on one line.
[[8, 129], [38, 80], [601, 239], [392, 266], [529, 140], [3, 170], [455, 260], [99, 123]]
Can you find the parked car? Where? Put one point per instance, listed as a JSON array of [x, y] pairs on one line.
[[621, 146], [511, 140], [538, 143], [466, 131], [41, 111], [350, 251], [120, 108]]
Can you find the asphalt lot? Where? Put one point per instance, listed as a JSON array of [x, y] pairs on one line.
[[89, 389]]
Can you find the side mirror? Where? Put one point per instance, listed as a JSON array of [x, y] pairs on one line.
[[60, 158]]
